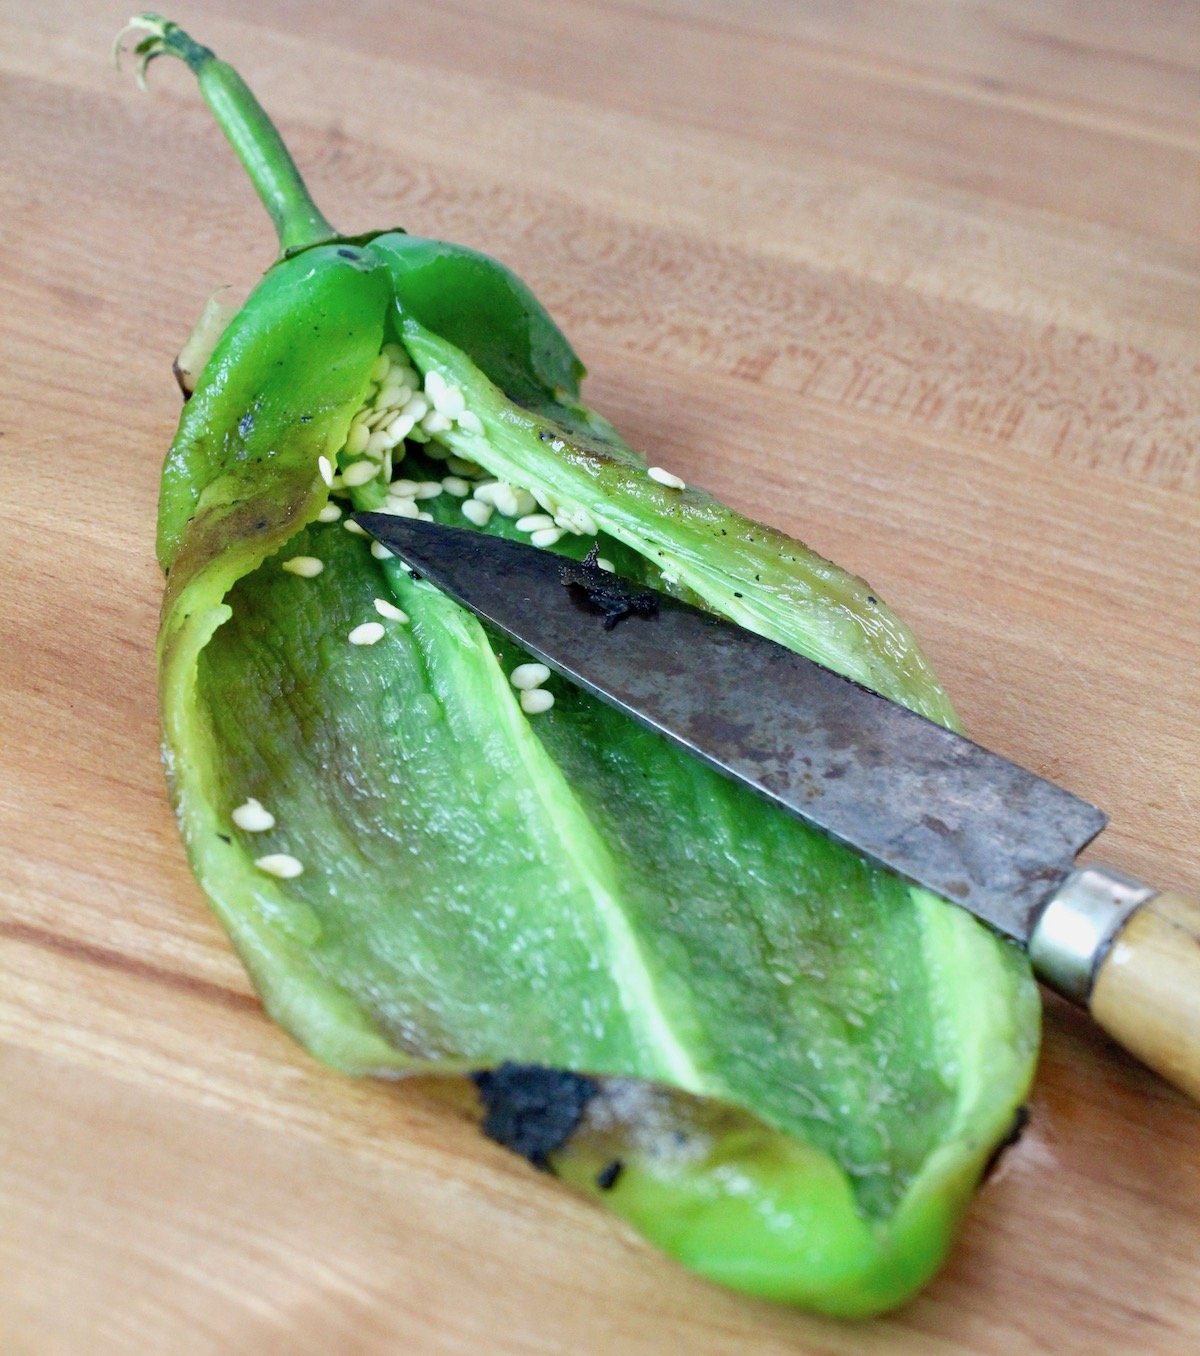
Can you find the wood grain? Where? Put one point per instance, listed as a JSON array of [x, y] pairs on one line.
[[1147, 992], [917, 281]]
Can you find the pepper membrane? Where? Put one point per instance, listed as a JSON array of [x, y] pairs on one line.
[[782, 1065]]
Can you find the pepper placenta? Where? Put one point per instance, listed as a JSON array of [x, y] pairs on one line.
[[783, 1066]]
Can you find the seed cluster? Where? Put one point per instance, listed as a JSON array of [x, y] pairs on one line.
[[399, 406], [402, 407]]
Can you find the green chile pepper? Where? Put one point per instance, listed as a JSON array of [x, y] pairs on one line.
[[781, 1065]]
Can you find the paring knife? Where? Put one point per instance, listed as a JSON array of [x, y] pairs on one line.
[[915, 798]]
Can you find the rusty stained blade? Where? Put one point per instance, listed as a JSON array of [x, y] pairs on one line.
[[924, 802]]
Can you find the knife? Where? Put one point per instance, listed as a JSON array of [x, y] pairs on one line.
[[917, 799]]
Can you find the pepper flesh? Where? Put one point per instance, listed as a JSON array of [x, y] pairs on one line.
[[800, 1064]]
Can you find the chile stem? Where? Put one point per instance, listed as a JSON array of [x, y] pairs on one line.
[[298, 220]]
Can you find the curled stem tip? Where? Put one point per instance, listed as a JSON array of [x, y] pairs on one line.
[[160, 37], [298, 220]]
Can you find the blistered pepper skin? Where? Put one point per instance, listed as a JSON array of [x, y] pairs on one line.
[[781, 1066]]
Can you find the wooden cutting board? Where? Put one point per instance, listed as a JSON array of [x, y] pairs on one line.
[[918, 282]]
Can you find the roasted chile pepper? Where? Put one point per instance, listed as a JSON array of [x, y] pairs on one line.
[[781, 1065]]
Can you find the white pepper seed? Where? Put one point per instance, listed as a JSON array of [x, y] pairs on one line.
[[577, 520], [528, 676], [354, 529], [547, 536], [450, 402], [390, 610], [533, 522], [469, 422], [399, 428], [536, 700], [281, 864], [667, 478], [505, 499], [357, 438], [307, 567], [366, 634], [329, 514], [379, 551], [360, 473], [477, 512], [435, 386], [325, 469], [252, 817], [456, 486]]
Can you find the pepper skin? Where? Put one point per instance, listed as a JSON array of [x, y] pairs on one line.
[[783, 1066]]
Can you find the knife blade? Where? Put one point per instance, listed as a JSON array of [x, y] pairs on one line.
[[917, 799]]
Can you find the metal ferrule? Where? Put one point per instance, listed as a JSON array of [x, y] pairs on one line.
[[1078, 926]]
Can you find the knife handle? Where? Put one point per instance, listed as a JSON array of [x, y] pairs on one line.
[[1146, 993], [1132, 957]]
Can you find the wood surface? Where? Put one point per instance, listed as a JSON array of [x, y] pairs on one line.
[[918, 282], [1147, 992]]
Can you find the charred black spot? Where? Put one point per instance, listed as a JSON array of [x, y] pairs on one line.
[[261, 525], [606, 593], [1019, 1121], [606, 1178], [225, 838], [306, 418], [347, 254], [531, 1109]]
